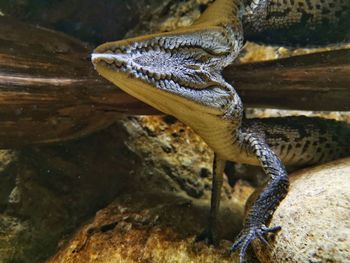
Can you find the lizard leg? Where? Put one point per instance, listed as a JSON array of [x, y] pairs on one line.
[[268, 200], [210, 233]]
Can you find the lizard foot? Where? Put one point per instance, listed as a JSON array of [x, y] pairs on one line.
[[247, 235]]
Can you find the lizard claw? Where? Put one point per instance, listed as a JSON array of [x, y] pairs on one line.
[[248, 235]]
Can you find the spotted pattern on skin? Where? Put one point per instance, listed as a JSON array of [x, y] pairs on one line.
[[297, 22], [284, 13], [300, 140]]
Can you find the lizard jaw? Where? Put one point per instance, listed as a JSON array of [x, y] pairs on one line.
[[182, 66]]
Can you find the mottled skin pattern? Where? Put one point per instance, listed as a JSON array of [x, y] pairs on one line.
[[179, 73], [300, 141], [309, 22]]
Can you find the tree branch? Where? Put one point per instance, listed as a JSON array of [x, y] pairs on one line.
[[49, 91]]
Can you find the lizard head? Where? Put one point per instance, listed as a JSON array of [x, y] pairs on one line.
[[174, 72], [179, 72]]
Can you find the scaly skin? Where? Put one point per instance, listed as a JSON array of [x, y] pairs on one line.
[[290, 22], [179, 73]]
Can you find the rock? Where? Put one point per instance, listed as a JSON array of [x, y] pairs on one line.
[[315, 217], [157, 216], [151, 227], [46, 192], [158, 170]]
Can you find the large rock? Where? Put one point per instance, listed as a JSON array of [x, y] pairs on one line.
[[46, 192], [160, 166], [157, 217], [150, 227], [315, 218]]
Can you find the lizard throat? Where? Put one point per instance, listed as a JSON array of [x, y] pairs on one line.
[[190, 60], [188, 66]]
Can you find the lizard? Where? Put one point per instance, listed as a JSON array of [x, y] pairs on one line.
[[179, 73]]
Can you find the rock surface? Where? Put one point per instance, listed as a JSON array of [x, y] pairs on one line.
[[149, 227], [315, 217], [156, 168], [157, 216], [46, 192]]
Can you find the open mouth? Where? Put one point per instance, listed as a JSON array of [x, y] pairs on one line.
[[187, 65], [190, 60]]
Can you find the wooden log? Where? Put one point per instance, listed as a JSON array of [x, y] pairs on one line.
[[319, 81], [49, 91]]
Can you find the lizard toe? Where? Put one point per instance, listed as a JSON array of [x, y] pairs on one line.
[[249, 234]]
